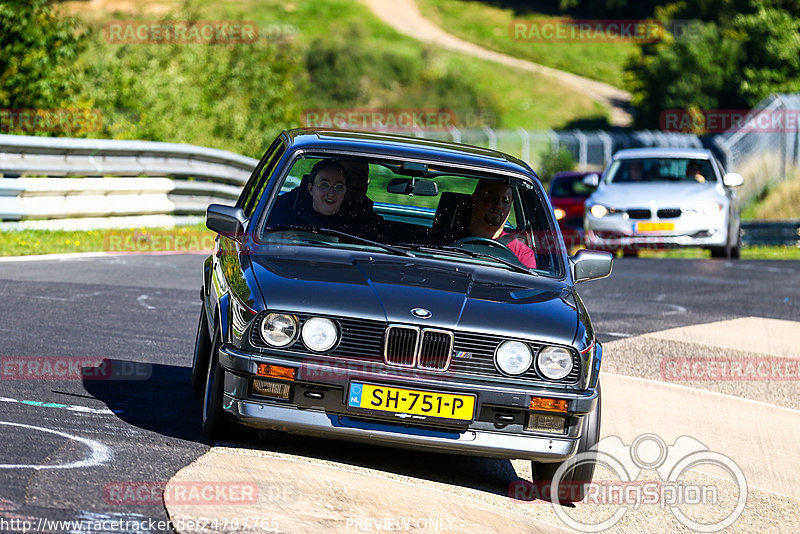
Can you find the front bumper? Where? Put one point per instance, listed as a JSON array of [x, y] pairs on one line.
[[318, 409], [689, 230]]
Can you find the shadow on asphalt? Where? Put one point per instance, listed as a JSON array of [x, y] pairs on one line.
[[159, 398], [152, 397]]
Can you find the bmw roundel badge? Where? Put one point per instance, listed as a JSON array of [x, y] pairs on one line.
[[422, 313]]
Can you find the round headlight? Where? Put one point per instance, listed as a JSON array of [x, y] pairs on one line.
[[319, 334], [554, 362], [599, 211], [513, 357], [278, 329]]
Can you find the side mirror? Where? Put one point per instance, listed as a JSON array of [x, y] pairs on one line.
[[591, 265], [226, 220], [592, 180], [733, 179]]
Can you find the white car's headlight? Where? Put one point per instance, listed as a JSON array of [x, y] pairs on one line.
[[319, 334], [278, 329], [554, 362], [513, 357], [599, 211]]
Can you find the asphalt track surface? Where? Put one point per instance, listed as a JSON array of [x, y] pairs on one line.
[[67, 444]]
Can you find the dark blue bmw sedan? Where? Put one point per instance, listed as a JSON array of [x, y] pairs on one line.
[[404, 292]]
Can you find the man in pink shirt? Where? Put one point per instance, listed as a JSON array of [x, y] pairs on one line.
[[491, 205]]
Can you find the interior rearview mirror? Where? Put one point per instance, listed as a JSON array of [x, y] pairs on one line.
[[412, 186]]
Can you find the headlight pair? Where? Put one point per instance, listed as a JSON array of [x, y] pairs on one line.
[[514, 358], [280, 329]]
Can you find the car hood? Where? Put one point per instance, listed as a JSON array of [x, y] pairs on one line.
[[658, 194], [387, 288]]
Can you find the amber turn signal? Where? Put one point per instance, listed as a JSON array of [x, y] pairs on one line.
[[275, 371], [548, 405]]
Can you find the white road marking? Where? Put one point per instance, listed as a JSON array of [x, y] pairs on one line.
[[100, 453], [141, 300], [71, 408]]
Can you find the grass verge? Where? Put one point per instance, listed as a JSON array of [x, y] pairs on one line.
[[194, 238], [197, 238], [490, 27]]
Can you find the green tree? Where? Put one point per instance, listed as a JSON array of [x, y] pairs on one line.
[[750, 50], [38, 50], [235, 96], [553, 161]]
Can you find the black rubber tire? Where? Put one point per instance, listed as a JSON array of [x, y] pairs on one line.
[[216, 423], [202, 351], [736, 250], [590, 435]]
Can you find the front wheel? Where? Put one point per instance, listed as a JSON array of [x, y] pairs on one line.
[[202, 350], [216, 423], [576, 479]]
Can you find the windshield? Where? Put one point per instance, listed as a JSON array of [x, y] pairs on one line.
[[414, 210], [660, 170]]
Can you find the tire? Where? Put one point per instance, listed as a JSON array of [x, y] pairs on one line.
[[736, 250], [216, 423], [719, 252], [590, 435], [202, 351]]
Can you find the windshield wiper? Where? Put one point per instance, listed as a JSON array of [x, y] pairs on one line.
[[331, 231], [458, 251]]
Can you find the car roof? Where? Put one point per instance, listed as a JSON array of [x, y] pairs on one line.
[[405, 148], [663, 152]]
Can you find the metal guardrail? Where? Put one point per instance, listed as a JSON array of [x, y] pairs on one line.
[[771, 233], [65, 179]]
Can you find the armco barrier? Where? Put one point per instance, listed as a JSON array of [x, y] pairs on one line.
[[66, 179], [771, 233]]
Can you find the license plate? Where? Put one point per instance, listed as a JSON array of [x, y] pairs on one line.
[[410, 404], [653, 227]]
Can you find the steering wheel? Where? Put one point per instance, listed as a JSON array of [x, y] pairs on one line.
[[483, 241]]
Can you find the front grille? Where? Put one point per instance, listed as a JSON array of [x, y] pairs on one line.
[[435, 350], [401, 345], [669, 213], [468, 353], [638, 214]]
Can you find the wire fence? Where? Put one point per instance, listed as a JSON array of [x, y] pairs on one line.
[[589, 149], [765, 148]]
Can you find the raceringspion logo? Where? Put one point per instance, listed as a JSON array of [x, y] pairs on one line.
[[704, 490]]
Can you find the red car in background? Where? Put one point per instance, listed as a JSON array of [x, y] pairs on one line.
[[568, 192]]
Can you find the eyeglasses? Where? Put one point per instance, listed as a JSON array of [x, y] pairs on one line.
[[326, 186]]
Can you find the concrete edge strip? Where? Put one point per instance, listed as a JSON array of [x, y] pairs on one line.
[[405, 480], [706, 391]]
